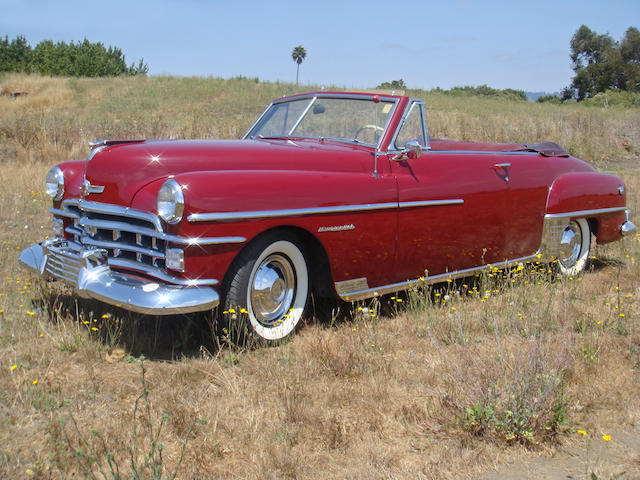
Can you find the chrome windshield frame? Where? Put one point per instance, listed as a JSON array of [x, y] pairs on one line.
[[313, 97]]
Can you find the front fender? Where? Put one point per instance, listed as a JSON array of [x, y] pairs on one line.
[[73, 173], [355, 243]]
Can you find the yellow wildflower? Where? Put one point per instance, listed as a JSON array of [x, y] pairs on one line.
[[13, 367], [606, 438], [582, 432]]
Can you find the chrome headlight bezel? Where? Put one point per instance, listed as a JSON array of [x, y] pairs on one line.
[[54, 183], [170, 201]]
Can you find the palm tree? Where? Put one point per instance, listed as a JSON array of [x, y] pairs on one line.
[[298, 54]]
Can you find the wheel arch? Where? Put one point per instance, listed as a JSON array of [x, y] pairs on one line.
[[314, 252]]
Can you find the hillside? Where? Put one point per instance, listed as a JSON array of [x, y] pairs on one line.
[[517, 369], [55, 118]]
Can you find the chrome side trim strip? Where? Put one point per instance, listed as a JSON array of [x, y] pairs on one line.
[[204, 241], [396, 287], [294, 212], [160, 275], [297, 212], [584, 213], [431, 203]]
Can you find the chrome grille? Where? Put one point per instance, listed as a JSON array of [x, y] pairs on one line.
[[130, 236]]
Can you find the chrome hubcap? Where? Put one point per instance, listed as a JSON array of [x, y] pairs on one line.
[[570, 245], [272, 289]]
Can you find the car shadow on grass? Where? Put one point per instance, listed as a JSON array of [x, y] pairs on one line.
[[156, 337], [600, 263]]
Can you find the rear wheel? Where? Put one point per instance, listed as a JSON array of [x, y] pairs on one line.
[[574, 247], [269, 287]]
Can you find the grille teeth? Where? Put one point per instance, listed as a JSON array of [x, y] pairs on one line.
[[124, 237]]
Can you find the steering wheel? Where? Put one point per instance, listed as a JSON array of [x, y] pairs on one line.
[[375, 128]]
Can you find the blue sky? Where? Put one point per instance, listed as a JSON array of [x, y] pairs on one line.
[[505, 44]]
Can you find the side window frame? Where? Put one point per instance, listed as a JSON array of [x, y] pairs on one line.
[[413, 105]]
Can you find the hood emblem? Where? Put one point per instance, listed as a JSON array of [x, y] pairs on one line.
[[87, 188]]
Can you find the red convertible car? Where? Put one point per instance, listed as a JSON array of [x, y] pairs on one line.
[[330, 194]]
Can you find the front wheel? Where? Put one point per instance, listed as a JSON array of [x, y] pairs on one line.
[[574, 247], [269, 286]]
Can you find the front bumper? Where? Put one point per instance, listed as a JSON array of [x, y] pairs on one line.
[[89, 273]]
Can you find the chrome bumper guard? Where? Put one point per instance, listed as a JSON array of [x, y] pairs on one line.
[[627, 228], [88, 272]]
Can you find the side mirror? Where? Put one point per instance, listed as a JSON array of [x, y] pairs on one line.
[[411, 150]]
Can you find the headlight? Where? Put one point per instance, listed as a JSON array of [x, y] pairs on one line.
[[55, 183], [170, 201]]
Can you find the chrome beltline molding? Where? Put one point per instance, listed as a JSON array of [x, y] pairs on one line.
[[297, 212]]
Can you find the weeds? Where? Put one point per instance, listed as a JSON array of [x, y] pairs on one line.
[[98, 459], [442, 381]]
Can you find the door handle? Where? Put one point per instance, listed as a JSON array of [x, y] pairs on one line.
[[500, 165]]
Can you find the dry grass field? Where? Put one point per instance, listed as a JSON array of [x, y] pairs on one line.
[[516, 370]]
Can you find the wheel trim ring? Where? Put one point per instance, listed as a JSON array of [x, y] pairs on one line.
[[273, 290]]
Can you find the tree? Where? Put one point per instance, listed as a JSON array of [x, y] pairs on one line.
[[600, 63], [393, 85], [15, 56], [298, 54], [81, 59]]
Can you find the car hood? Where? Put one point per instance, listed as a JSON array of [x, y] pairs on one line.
[[125, 168]]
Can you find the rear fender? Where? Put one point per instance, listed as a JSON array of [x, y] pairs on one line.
[[599, 197]]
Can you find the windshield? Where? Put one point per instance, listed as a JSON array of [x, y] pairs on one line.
[[349, 119]]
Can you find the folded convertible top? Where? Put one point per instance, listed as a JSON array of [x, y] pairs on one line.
[[548, 149]]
